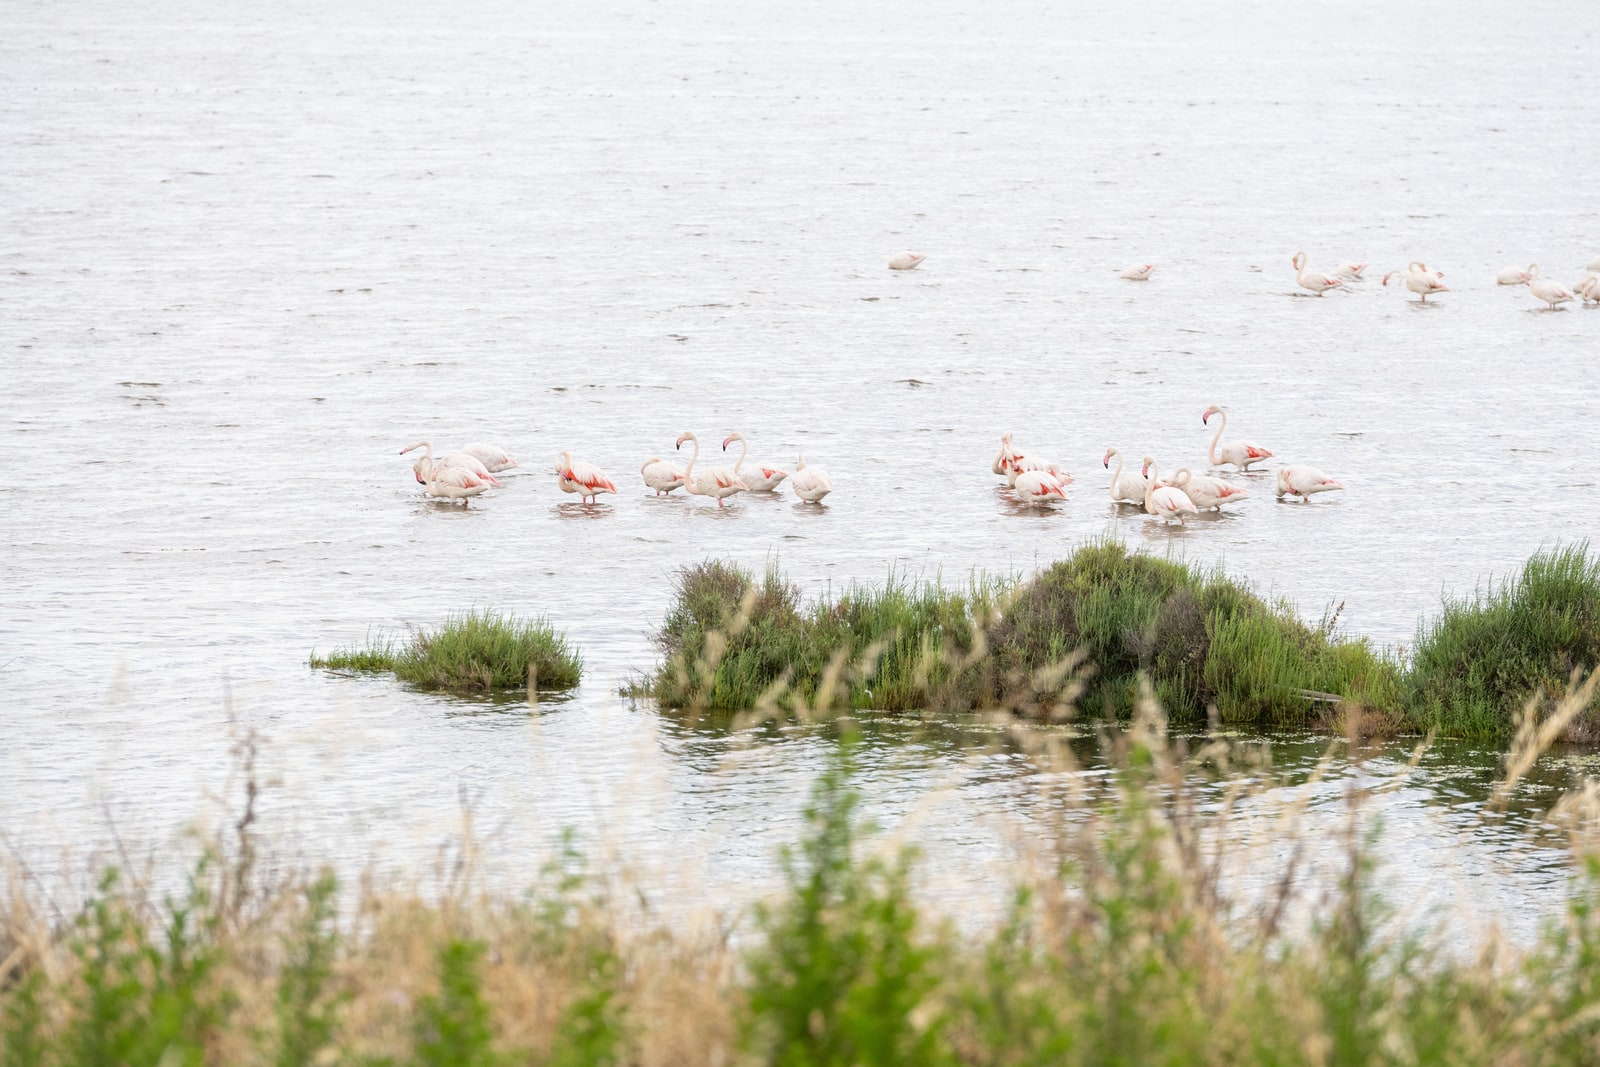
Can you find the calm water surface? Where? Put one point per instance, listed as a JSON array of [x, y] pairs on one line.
[[248, 253]]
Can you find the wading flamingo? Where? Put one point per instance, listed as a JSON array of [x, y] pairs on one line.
[[1419, 279], [1002, 462], [491, 456], [1517, 275], [1140, 273], [1039, 487], [1126, 488], [761, 478], [905, 260], [1207, 492], [1316, 281], [425, 464], [1590, 290], [1550, 292], [1349, 271], [1583, 282], [718, 482], [1302, 481], [810, 484], [1162, 500], [583, 478], [1241, 454], [662, 476], [451, 483]]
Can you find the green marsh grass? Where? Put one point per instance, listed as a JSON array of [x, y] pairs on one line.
[[474, 651], [1126, 942], [1082, 631]]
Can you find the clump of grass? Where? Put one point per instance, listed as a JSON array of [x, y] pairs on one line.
[[474, 651], [1085, 629], [1486, 655]]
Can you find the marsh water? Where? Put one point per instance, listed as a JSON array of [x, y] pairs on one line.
[[249, 252]]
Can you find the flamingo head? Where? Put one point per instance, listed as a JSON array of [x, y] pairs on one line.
[[1391, 274], [1299, 260], [419, 444], [1107, 461], [728, 440], [1205, 416], [685, 436]]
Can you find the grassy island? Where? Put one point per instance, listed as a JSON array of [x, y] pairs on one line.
[[473, 652]]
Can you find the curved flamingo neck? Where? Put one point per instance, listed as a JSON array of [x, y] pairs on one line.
[[1217, 437], [1150, 489], [688, 472], [1116, 475], [744, 450]]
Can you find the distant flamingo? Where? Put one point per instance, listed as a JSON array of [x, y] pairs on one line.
[[1550, 292], [1517, 275], [761, 479], [1421, 280], [1349, 271], [905, 260], [449, 482], [425, 464], [1583, 283], [1594, 264], [1206, 492], [810, 484], [1164, 501], [1125, 488], [583, 478], [662, 476], [1590, 290], [1316, 281], [1241, 454], [1140, 273], [718, 482], [1302, 481], [1039, 487], [1002, 460]]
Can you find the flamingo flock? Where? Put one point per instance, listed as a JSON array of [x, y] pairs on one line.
[[461, 475], [1039, 482]]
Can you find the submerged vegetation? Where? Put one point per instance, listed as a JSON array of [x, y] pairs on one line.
[[475, 651], [1082, 632], [1126, 941]]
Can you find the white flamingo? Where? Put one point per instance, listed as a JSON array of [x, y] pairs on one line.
[[905, 260], [1590, 289], [1517, 275], [1162, 500], [1140, 273], [1002, 462], [1126, 488], [1349, 270], [584, 478], [662, 476], [810, 484], [1550, 292], [425, 464], [1316, 281], [449, 482], [1039, 487], [1421, 280], [1302, 481], [1583, 282], [492, 457], [1207, 493], [762, 478], [717, 482], [1239, 453]]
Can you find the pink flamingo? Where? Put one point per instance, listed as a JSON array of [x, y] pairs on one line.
[[662, 476], [1240, 454], [1162, 500], [764, 479], [1302, 481], [425, 464], [810, 484], [1039, 487], [718, 482], [1316, 281], [583, 478], [1206, 492]]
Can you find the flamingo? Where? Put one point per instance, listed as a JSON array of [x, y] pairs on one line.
[[493, 457], [1594, 264], [765, 479], [1241, 454], [583, 478], [1349, 270], [905, 260], [718, 482], [1002, 462], [1140, 273], [1517, 275], [425, 464], [1206, 492], [1301, 481], [662, 476], [1316, 281], [1164, 501], [810, 484], [1583, 282], [1550, 292], [1419, 279], [1125, 488], [1039, 488], [1590, 289], [450, 482], [1011, 463]]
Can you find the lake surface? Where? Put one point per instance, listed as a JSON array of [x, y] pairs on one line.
[[248, 253]]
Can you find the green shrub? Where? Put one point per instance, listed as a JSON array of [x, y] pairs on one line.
[[1485, 656], [474, 651]]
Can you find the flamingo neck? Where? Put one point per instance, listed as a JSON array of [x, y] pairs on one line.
[[1116, 475], [744, 450], [1216, 438], [688, 472], [1150, 489]]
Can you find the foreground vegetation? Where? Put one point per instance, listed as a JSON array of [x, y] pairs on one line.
[[1085, 632], [1127, 941], [475, 651]]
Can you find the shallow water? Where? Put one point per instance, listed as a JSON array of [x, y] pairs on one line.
[[250, 252]]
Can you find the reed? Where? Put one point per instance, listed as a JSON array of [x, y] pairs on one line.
[[1484, 656], [1125, 943], [473, 651]]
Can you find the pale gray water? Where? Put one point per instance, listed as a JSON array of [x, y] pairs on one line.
[[250, 252]]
